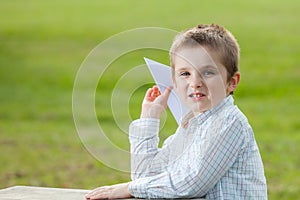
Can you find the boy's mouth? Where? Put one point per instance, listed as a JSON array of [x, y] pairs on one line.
[[197, 95]]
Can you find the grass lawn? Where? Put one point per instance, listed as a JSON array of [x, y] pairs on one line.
[[44, 43]]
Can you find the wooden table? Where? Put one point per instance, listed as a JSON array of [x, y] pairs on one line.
[[42, 193]]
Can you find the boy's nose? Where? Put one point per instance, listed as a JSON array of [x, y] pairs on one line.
[[196, 82]]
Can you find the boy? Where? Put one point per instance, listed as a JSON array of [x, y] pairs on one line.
[[213, 153]]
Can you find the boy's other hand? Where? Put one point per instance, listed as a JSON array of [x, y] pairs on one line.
[[118, 191], [155, 103]]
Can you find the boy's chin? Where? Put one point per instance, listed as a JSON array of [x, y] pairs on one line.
[[198, 111]]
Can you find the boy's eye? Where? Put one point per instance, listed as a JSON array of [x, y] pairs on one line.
[[208, 73], [184, 73]]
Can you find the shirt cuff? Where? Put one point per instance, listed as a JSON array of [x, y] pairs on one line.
[[138, 188], [144, 127]]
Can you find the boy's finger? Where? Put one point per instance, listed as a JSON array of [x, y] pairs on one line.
[[149, 92], [156, 91]]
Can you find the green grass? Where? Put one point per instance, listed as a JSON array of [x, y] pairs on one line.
[[43, 43]]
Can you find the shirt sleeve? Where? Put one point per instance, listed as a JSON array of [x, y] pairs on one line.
[[146, 158], [200, 174]]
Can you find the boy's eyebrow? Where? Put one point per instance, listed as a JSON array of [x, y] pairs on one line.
[[181, 68], [209, 67]]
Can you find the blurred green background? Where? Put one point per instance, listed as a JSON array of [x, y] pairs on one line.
[[43, 43]]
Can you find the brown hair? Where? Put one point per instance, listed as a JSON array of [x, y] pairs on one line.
[[212, 37]]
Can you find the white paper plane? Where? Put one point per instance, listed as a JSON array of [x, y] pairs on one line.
[[162, 76]]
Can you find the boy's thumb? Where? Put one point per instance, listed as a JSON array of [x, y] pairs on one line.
[[167, 92]]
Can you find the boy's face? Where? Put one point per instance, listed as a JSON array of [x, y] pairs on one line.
[[200, 79]]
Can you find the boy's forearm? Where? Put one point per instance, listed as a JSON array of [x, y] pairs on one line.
[[143, 137]]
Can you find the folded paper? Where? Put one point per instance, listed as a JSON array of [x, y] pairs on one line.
[[162, 75]]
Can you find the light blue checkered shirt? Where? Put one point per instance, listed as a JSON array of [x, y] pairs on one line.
[[215, 157]]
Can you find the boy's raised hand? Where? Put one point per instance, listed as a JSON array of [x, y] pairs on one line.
[[155, 103]]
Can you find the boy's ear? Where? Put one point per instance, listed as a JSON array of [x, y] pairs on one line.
[[234, 81]]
